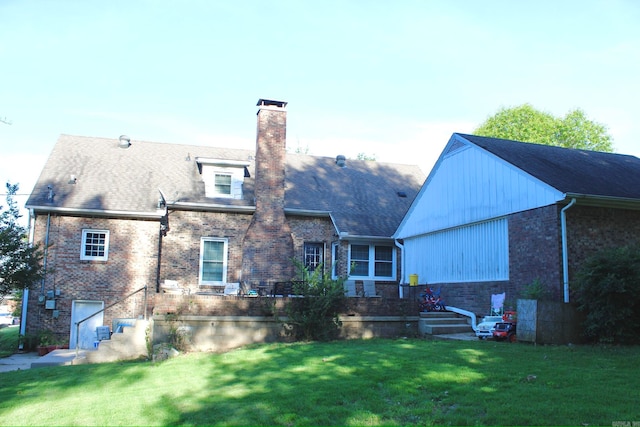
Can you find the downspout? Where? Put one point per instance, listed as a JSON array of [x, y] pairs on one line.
[[565, 255], [25, 292], [46, 250], [159, 261], [401, 281]]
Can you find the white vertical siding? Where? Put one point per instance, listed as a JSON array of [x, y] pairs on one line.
[[472, 253], [469, 185]]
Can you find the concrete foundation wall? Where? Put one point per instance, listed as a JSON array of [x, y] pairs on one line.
[[222, 333]]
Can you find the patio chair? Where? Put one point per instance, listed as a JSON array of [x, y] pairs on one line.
[[350, 288], [369, 287], [232, 289], [172, 287], [497, 304]]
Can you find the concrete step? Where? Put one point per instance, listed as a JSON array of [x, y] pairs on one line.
[[128, 345], [443, 321], [437, 314], [59, 357], [444, 329]]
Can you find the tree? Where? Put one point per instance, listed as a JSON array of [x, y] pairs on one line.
[[20, 262], [525, 123], [367, 157]]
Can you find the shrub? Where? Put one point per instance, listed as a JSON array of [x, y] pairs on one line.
[[607, 290], [314, 315], [535, 290]]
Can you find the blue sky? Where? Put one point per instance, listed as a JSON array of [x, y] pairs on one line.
[[392, 79]]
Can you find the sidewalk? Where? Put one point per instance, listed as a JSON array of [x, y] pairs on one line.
[[21, 361]]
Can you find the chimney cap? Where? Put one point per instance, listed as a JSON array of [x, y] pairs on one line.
[[269, 102]]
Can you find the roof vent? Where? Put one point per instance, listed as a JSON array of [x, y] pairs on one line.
[[125, 141], [341, 160]]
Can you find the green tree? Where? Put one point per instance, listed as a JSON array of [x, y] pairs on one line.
[[365, 156], [525, 123], [20, 262]]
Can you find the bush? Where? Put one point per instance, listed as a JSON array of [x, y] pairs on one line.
[[607, 290], [535, 290], [314, 315]]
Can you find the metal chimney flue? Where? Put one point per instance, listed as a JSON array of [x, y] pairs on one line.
[[124, 141]]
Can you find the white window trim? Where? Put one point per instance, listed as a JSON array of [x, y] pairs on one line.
[[231, 178], [224, 262], [372, 260], [83, 245], [335, 247]]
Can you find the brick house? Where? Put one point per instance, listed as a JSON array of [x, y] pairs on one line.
[[118, 215], [495, 215]]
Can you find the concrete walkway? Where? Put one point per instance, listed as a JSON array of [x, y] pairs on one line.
[[20, 361]]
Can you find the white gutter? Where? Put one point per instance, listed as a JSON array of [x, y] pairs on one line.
[[565, 255], [211, 206], [307, 212], [99, 212]]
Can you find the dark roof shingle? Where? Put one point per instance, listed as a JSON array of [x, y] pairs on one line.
[[570, 170], [362, 197]]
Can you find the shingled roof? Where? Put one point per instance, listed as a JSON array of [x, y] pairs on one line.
[[571, 171], [364, 198]]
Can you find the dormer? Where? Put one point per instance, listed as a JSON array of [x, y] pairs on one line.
[[222, 177]]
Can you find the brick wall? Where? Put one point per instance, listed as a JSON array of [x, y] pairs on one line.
[[592, 229], [131, 264], [535, 249], [181, 246]]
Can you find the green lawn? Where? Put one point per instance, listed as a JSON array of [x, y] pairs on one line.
[[360, 382], [9, 340]]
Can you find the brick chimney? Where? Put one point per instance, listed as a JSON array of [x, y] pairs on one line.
[[267, 249]]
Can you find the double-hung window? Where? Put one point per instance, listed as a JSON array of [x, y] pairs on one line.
[[95, 245], [372, 261], [222, 183], [213, 260]]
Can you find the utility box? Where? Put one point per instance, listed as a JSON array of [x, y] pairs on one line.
[[103, 333]]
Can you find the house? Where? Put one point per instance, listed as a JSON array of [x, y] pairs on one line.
[[119, 215], [495, 215]]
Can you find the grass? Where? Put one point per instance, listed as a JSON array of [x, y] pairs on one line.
[[9, 340], [360, 382]]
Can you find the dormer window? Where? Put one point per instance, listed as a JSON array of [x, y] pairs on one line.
[[222, 184], [222, 178]]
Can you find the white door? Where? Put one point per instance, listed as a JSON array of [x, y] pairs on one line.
[[81, 310]]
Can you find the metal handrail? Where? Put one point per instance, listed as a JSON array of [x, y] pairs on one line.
[[109, 306]]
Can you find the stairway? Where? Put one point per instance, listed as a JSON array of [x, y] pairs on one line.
[[443, 323], [130, 344]]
